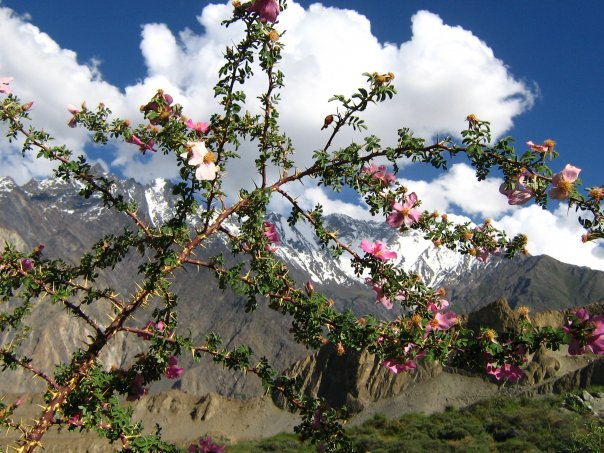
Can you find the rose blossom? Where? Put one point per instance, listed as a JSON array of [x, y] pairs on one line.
[[173, 371], [204, 160], [379, 173], [404, 213], [199, 127], [563, 182], [268, 10], [377, 249]]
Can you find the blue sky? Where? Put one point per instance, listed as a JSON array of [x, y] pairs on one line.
[[546, 56]]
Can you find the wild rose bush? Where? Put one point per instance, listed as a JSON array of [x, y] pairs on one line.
[[82, 394]]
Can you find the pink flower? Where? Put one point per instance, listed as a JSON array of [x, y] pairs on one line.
[[199, 127], [394, 366], [142, 146], [380, 174], [404, 363], [442, 321], [508, 372], [204, 160], [539, 148], [150, 327], [270, 232], [377, 249], [437, 306], [206, 445], [74, 111], [172, 371], [520, 194], [75, 420], [27, 264], [268, 10], [380, 297], [4, 85], [563, 182], [587, 334], [404, 213]]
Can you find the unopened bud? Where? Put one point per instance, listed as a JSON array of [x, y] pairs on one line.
[[437, 242], [435, 214], [327, 122], [586, 237], [440, 292], [26, 107], [340, 349], [309, 288], [444, 217]]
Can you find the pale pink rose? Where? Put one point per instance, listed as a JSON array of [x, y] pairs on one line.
[[204, 160], [563, 182], [404, 213], [442, 321], [377, 249], [380, 173], [199, 127]]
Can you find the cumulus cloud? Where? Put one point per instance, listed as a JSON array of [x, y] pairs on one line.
[[443, 73], [51, 77], [555, 233], [458, 189]]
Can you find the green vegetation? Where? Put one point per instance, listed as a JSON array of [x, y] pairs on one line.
[[502, 424]]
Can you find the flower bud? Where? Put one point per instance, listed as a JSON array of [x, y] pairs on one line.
[[340, 349], [27, 106], [327, 122], [309, 288]]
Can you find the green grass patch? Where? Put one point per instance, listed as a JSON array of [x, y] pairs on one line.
[[501, 424]]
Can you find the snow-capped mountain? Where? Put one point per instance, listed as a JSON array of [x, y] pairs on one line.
[[414, 253], [45, 206], [52, 212]]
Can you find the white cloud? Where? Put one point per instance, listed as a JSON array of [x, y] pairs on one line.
[[557, 234], [52, 78], [459, 189], [442, 73]]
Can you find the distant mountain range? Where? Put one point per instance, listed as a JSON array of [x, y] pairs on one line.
[[51, 212]]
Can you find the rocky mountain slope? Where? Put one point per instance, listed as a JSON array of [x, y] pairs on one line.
[[52, 213]]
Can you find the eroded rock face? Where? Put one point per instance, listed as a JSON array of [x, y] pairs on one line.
[[543, 366], [354, 379]]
